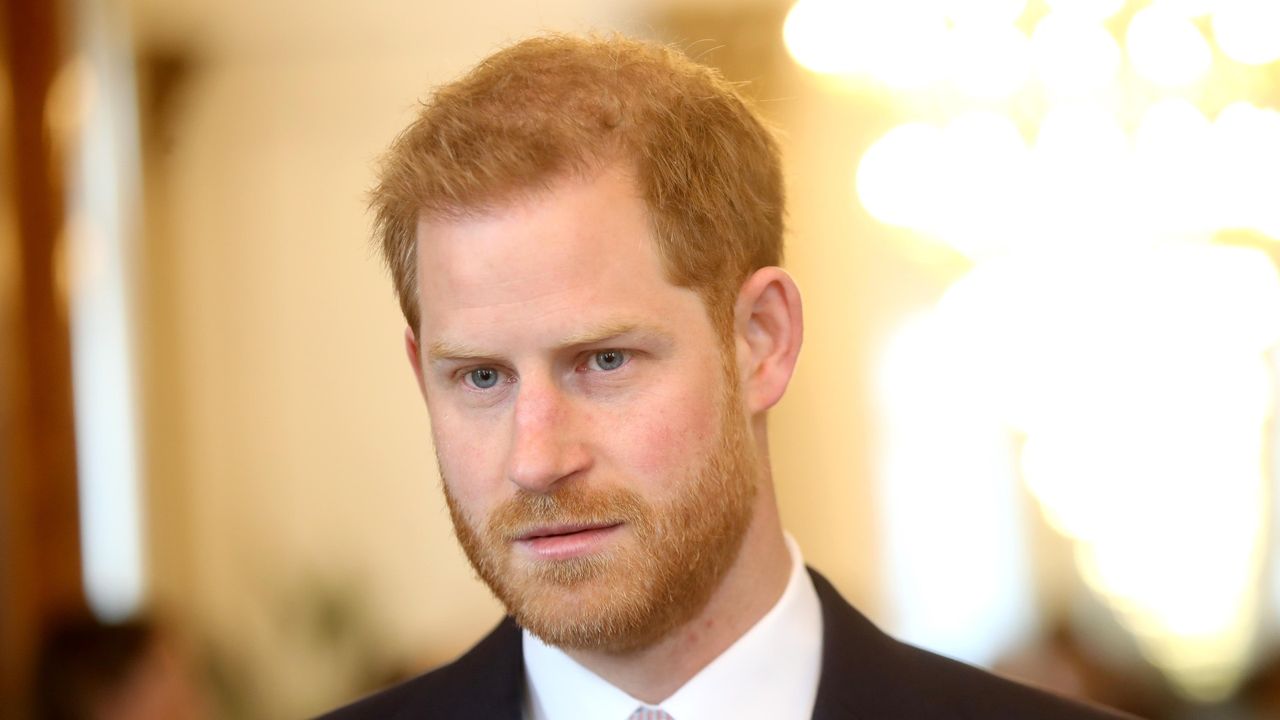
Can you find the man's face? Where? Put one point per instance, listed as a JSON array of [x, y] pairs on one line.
[[586, 416]]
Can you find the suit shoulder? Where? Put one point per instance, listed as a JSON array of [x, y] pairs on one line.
[[387, 703], [867, 674], [969, 691], [488, 681]]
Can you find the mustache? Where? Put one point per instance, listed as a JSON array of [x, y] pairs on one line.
[[572, 505]]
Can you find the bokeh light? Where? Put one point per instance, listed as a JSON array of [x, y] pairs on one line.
[[1126, 349], [1082, 169], [900, 44], [981, 206], [908, 50], [1248, 31], [984, 12], [1087, 9], [1246, 141], [931, 394], [1173, 162], [989, 60], [1074, 56], [817, 35], [1186, 8], [1166, 48], [1133, 437], [898, 177], [965, 184]]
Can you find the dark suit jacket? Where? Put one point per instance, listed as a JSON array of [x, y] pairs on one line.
[[865, 674]]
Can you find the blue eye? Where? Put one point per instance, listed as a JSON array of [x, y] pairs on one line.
[[607, 360], [483, 378]]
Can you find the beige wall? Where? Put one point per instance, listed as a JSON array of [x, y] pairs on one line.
[[296, 435]]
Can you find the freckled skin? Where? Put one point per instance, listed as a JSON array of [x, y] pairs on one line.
[[503, 291], [514, 283]]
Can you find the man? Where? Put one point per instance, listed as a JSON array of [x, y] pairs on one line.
[[585, 238]]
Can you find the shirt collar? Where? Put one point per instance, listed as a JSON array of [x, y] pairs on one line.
[[779, 659]]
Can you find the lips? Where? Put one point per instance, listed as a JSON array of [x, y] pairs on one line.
[[562, 530], [563, 542]]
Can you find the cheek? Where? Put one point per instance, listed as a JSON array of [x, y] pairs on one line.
[[470, 461], [668, 440]]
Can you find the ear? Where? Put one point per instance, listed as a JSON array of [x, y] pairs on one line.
[[415, 359], [769, 325]]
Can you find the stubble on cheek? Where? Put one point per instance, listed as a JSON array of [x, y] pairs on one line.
[[667, 559], [656, 576]]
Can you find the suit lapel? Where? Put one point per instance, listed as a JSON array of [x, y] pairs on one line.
[[853, 653], [487, 682]]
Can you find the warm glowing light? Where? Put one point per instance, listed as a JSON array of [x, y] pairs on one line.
[[981, 203], [93, 102], [1246, 30], [1059, 324], [1087, 9], [1166, 48], [1127, 353], [985, 12], [898, 177], [1139, 381], [816, 34], [1073, 56], [1081, 169], [1186, 8], [971, 596], [965, 185], [988, 60], [1246, 142], [906, 46], [1173, 163], [900, 44]]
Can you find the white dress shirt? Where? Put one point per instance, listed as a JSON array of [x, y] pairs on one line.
[[769, 672]]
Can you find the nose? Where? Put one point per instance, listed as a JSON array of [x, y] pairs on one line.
[[545, 442]]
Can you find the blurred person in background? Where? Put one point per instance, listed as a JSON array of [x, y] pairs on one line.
[[1260, 695], [90, 670], [585, 235], [1060, 661]]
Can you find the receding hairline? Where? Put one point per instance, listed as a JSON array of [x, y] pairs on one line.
[[703, 160], [538, 187]]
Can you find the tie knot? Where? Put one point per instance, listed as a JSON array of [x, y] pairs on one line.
[[648, 713]]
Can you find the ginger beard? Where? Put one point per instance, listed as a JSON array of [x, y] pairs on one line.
[[654, 579]]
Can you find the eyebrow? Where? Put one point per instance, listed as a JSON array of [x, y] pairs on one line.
[[446, 351]]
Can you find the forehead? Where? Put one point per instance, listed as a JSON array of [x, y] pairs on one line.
[[579, 252]]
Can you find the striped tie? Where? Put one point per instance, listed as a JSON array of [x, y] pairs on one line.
[[648, 713]]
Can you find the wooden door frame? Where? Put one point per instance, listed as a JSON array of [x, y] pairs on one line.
[[40, 565]]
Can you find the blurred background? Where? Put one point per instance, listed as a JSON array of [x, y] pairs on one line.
[[1032, 427]]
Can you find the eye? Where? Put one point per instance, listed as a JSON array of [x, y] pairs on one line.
[[482, 378], [607, 360]]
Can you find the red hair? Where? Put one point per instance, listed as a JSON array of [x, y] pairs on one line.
[[707, 167]]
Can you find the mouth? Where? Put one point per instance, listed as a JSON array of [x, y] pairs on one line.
[[559, 542], [552, 531]]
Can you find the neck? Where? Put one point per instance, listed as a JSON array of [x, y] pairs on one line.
[[754, 583]]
